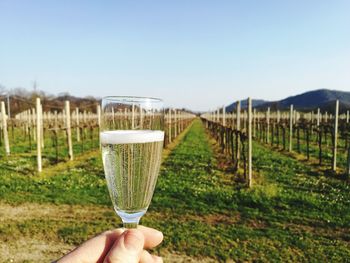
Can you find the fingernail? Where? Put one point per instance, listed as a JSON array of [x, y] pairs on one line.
[[133, 240], [156, 232]]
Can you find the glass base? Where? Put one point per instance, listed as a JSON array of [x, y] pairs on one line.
[[130, 220]]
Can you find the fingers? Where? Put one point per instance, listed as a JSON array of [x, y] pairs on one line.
[[95, 249], [128, 248], [146, 257], [152, 236]]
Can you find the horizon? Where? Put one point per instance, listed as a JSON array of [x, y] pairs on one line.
[[196, 55], [62, 94]]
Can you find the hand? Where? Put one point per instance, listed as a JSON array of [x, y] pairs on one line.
[[116, 246]]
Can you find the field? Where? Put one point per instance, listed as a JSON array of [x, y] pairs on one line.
[[295, 212]]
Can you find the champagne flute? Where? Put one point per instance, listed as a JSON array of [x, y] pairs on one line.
[[132, 135]]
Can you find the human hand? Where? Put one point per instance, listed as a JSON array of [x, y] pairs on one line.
[[116, 246]]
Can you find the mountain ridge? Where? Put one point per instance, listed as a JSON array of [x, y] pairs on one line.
[[310, 100]]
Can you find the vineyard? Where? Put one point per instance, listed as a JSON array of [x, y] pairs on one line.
[[321, 138], [247, 185], [54, 137]]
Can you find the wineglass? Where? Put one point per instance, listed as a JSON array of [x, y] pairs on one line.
[[131, 136]]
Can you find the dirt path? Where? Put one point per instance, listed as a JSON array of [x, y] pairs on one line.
[[32, 249]]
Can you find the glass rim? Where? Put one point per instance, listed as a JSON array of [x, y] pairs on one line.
[[132, 98]]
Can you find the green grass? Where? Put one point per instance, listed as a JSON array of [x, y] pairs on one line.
[[295, 214], [327, 147]]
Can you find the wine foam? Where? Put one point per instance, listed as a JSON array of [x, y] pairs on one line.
[[131, 136]]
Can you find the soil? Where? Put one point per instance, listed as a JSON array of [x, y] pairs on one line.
[[25, 249]]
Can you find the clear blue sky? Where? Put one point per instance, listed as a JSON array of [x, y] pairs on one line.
[[198, 54]]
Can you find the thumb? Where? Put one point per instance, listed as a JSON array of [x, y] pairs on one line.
[[127, 248]]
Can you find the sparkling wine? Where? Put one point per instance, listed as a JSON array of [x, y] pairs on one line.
[[131, 160]]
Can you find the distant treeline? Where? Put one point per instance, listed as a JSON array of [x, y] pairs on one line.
[[22, 99]]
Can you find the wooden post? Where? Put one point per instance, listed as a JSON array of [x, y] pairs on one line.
[[245, 120], [347, 116], [133, 116], [334, 167], [268, 125], [126, 119], [69, 132], [223, 116], [250, 164], [27, 122], [38, 136], [291, 128], [141, 117], [62, 116], [238, 115], [238, 127], [318, 117], [41, 126], [178, 122], [98, 111], [169, 123], [254, 123], [175, 124], [113, 118], [8, 106], [84, 116], [4, 128], [182, 120], [77, 123], [33, 122], [278, 120]]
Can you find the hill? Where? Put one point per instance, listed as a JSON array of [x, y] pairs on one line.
[[322, 98], [311, 100]]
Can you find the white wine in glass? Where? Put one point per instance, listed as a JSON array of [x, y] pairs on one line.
[[132, 141]]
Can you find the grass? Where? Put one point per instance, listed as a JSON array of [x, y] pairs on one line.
[[295, 214], [327, 148]]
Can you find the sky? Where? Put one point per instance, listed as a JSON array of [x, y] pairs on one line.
[[192, 53]]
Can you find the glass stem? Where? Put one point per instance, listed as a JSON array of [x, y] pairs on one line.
[[130, 220], [130, 225]]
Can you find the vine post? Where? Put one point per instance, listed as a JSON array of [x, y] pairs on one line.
[[291, 128], [4, 128], [69, 131], [250, 166], [169, 125], [335, 139], [223, 116], [77, 123], [268, 125], [238, 128], [38, 136]]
